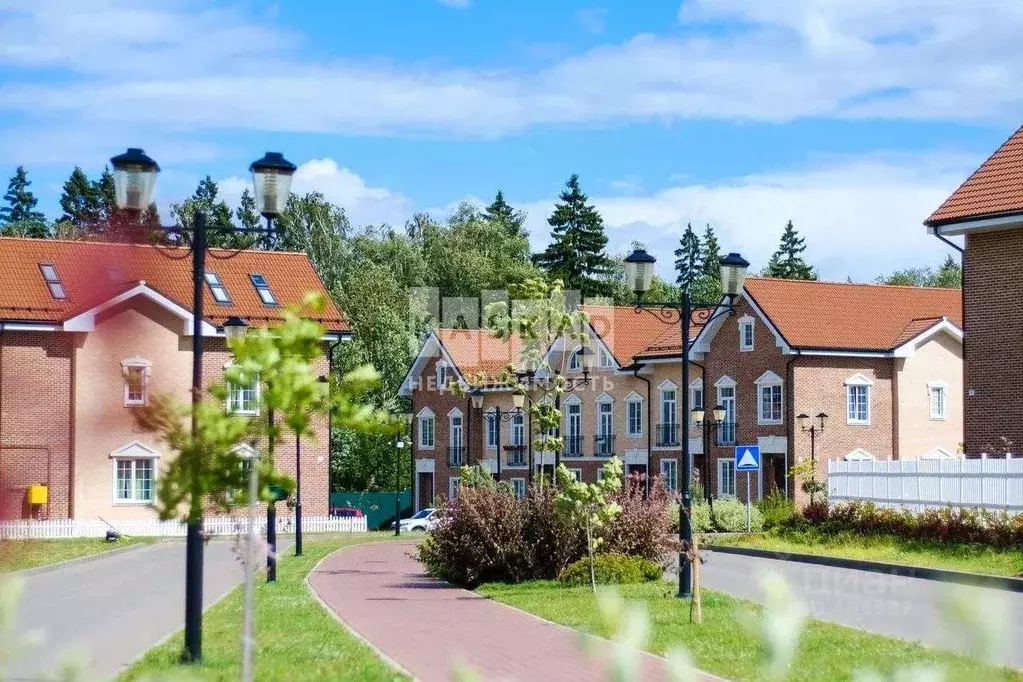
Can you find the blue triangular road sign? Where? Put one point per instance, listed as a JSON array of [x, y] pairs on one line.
[[747, 457]]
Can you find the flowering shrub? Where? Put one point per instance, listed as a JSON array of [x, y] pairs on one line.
[[948, 524]]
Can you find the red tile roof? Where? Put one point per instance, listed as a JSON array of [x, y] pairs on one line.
[[93, 272], [836, 316], [629, 335], [996, 188]]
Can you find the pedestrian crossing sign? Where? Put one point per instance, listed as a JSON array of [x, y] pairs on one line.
[[747, 457]]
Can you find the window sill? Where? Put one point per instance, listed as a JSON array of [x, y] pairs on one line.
[[426, 447], [635, 436], [133, 503], [746, 350], [141, 404], [939, 419], [771, 422], [850, 423]]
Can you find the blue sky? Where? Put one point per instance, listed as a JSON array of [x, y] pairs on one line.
[[853, 118]]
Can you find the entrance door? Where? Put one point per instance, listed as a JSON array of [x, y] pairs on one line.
[[778, 463], [424, 491]]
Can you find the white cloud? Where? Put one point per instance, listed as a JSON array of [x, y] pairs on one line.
[[592, 20], [167, 64], [861, 216], [363, 204]]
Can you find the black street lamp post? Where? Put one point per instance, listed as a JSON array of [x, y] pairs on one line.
[[812, 428], [639, 272], [134, 180], [700, 420], [476, 396], [400, 445]]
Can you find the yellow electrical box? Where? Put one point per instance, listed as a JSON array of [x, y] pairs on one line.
[[38, 494]]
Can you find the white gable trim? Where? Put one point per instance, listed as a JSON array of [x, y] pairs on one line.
[[425, 412], [605, 398], [134, 450], [245, 451], [858, 380], [668, 385], [768, 378], [455, 412], [907, 349], [634, 397], [432, 348], [725, 382], [859, 455], [86, 322], [701, 344], [573, 400]]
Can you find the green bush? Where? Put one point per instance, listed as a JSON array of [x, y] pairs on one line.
[[612, 569], [776, 510], [701, 517], [729, 516]]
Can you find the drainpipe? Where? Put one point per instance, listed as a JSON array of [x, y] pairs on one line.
[[962, 298], [791, 429], [3, 328], [649, 430]]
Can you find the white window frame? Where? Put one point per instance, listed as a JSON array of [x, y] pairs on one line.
[[941, 389], [852, 385], [236, 397], [666, 387], [673, 476], [747, 322], [426, 415], [441, 371], [724, 383], [138, 365], [696, 388], [517, 435], [454, 483], [859, 455], [454, 414], [770, 381], [605, 401], [574, 363], [578, 473], [634, 400], [604, 358], [493, 425], [726, 463], [134, 453], [517, 485]]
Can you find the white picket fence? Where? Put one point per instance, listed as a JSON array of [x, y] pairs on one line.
[[995, 484], [96, 528]]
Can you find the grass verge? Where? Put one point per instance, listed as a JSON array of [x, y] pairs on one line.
[[723, 645], [888, 549], [20, 555], [296, 639]]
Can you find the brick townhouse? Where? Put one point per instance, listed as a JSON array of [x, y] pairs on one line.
[[88, 331], [884, 362], [987, 211]]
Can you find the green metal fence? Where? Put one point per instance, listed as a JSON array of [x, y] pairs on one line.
[[378, 507]]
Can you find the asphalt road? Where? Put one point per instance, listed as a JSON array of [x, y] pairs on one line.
[[111, 610], [906, 608]]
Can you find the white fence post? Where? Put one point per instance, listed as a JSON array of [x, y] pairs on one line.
[[56, 529]]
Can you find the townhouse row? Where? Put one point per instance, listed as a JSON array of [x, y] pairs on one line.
[[883, 363]]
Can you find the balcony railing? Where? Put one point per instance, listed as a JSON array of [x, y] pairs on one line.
[[456, 456], [667, 435], [604, 445], [726, 433], [573, 446], [515, 455]]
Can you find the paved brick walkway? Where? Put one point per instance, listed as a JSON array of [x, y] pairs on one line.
[[427, 626]]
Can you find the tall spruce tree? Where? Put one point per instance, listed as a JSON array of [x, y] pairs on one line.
[[107, 195], [81, 201], [787, 262], [710, 258], [246, 211], [501, 212], [219, 223], [576, 252], [18, 215], [687, 258]]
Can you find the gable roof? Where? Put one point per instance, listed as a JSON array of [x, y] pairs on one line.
[[994, 189], [858, 317], [95, 272]]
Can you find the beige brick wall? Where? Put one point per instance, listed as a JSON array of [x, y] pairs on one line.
[[35, 410], [937, 360], [994, 341]]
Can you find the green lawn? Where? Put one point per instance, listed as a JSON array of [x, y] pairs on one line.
[[18, 555], [955, 557], [723, 646], [296, 639]]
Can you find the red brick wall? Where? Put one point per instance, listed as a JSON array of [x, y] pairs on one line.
[[426, 394], [994, 341], [820, 387], [745, 367], [35, 409]]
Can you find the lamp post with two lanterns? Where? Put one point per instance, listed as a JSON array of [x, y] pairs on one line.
[[134, 181], [814, 428], [476, 396], [639, 272]]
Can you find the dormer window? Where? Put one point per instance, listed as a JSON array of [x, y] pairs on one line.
[[442, 375], [53, 282], [604, 359], [263, 289], [575, 363], [217, 288]]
